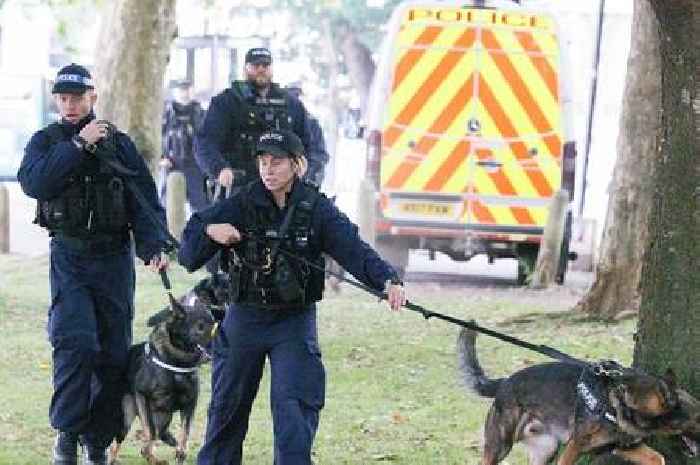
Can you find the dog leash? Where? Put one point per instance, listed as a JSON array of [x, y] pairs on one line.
[[427, 314]]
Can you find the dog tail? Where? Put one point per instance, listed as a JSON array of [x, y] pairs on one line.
[[472, 373]]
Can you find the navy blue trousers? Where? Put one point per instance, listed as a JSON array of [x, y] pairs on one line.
[[249, 337], [90, 330]]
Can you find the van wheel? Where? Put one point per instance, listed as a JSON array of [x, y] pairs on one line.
[[527, 259], [394, 252]]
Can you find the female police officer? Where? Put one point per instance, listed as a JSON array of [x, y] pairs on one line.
[[270, 224]]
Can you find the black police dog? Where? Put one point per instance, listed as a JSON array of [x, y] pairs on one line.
[[162, 373]]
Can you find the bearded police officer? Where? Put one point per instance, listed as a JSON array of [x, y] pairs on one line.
[[236, 118], [91, 216], [277, 226]]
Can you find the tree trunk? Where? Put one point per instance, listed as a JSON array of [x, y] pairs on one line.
[[358, 61], [616, 285], [132, 53], [668, 334]]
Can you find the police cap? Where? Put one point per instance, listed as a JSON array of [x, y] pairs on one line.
[[72, 79], [280, 144], [182, 84], [258, 55]]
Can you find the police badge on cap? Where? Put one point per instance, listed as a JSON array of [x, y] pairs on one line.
[[72, 79], [280, 144], [258, 55]]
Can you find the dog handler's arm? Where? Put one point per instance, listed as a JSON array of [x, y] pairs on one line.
[[197, 246]]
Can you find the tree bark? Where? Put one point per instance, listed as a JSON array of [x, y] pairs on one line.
[[668, 333], [617, 274], [132, 53], [358, 60]]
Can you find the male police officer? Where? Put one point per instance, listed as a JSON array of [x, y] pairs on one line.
[[236, 118], [181, 119], [91, 216], [277, 226]]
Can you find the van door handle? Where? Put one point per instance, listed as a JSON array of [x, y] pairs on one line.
[[490, 163]]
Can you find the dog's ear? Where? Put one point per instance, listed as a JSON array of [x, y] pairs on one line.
[[158, 318], [177, 309]]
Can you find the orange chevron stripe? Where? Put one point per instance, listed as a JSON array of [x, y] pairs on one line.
[[519, 88], [450, 165], [435, 79], [481, 212], [541, 63], [507, 130], [413, 55], [502, 183], [459, 101], [504, 186], [522, 215]]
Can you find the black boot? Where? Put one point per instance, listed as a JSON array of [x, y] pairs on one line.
[[94, 456], [65, 449]]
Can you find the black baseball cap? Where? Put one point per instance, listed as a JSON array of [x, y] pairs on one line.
[[72, 79], [182, 84], [258, 55], [280, 144]]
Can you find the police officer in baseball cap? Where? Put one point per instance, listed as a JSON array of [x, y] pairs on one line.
[[96, 225], [278, 227]]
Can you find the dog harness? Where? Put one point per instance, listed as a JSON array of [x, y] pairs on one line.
[[153, 358], [592, 388]]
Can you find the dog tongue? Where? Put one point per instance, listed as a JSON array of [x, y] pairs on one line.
[[691, 447]]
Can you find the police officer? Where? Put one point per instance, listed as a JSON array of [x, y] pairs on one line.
[[91, 216], [181, 119], [237, 116], [271, 223]]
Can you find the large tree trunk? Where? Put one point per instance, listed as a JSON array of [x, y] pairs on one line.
[[669, 318], [358, 60], [132, 53], [618, 270]]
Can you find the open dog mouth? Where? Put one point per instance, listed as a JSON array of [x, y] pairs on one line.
[[691, 447]]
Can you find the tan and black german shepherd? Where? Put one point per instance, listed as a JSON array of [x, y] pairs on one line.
[[588, 408]]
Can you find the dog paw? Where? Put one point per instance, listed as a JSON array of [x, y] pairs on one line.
[[180, 456]]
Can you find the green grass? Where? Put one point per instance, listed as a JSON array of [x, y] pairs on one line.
[[393, 393]]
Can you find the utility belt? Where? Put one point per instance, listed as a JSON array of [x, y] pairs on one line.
[[95, 244]]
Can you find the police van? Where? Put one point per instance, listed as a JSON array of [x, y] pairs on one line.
[[469, 132]]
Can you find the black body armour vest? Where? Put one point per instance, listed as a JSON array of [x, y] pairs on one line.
[[253, 116], [93, 203], [282, 282]]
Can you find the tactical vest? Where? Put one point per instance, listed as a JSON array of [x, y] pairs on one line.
[[254, 115], [93, 203], [285, 282], [180, 124]]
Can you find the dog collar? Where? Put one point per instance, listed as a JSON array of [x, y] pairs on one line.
[[162, 364]]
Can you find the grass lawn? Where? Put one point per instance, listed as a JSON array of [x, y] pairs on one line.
[[393, 396]]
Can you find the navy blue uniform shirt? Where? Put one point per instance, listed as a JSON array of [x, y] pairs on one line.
[[218, 132], [331, 232], [46, 168]]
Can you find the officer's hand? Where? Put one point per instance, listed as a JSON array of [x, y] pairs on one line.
[[396, 295], [223, 233], [158, 262], [94, 131], [165, 163], [302, 166], [226, 177]]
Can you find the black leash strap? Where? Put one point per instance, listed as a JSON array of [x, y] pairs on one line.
[[110, 160], [427, 314]]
